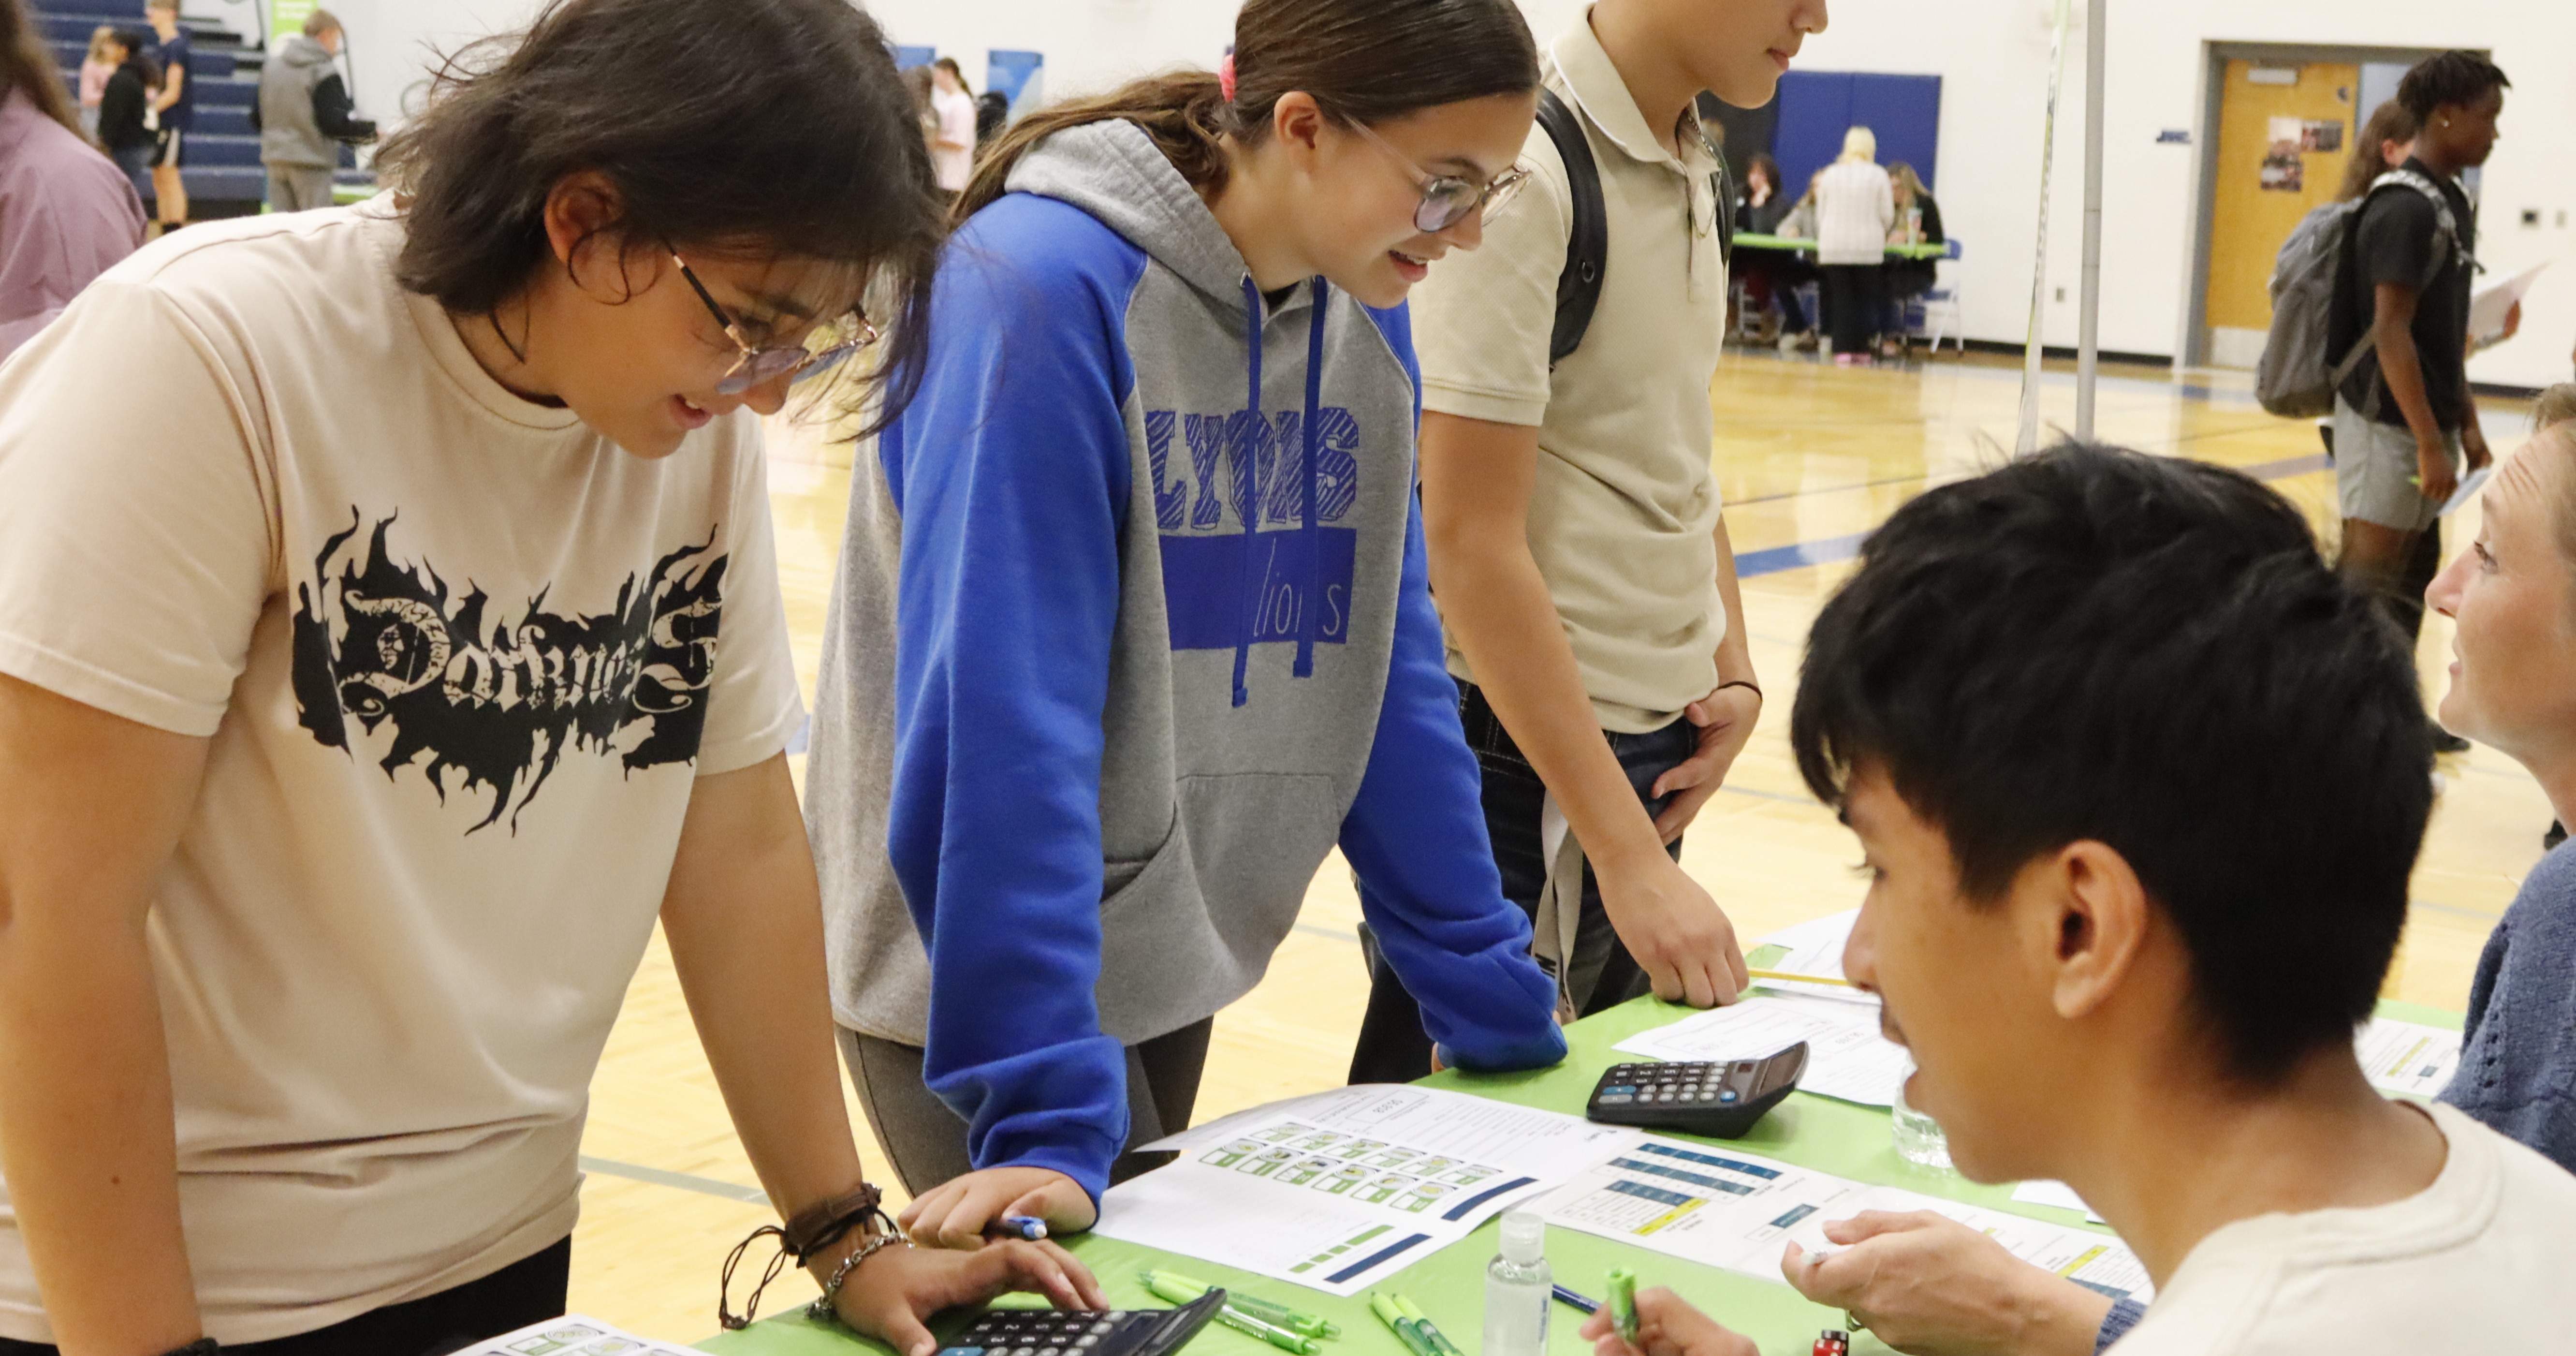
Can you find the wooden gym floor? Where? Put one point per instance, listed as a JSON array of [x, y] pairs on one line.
[[1810, 457]]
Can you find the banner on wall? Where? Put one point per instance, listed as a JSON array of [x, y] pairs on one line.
[[1017, 76], [288, 16]]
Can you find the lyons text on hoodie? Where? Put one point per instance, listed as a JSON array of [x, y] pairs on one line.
[[1082, 738]]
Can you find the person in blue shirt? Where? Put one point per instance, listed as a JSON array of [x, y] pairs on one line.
[[176, 101], [1132, 625]]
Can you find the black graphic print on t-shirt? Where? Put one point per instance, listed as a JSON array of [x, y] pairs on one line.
[[496, 701]]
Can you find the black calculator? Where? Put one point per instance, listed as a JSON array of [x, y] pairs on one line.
[[1084, 1332], [1720, 1100]]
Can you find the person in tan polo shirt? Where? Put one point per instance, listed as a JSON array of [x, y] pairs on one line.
[[1578, 554]]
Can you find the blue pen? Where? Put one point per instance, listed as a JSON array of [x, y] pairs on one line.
[[1029, 1227], [1576, 1299]]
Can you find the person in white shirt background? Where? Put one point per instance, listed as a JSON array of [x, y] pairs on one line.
[[952, 144], [1855, 208]]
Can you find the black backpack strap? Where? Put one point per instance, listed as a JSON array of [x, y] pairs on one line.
[[1587, 248]]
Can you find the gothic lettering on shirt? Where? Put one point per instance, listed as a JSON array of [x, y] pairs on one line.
[[482, 700]]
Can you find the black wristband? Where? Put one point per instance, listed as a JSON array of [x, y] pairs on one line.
[[1743, 683], [203, 1346]]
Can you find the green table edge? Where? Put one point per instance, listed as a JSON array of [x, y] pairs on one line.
[[1749, 240], [1814, 1132]]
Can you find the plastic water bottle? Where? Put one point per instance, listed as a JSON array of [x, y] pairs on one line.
[[1517, 1288], [1919, 1138]]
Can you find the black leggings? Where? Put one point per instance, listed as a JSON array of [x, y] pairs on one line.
[[1853, 309], [524, 1292], [1393, 1048]]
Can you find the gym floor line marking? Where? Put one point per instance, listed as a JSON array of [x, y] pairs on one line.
[[704, 1186]]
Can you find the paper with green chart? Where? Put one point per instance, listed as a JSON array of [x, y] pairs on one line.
[[574, 1335], [1722, 1207], [1342, 1189]]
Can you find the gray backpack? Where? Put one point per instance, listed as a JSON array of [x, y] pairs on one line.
[[2295, 378]]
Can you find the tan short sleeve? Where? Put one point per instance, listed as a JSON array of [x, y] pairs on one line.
[[1481, 321], [754, 706], [136, 538]]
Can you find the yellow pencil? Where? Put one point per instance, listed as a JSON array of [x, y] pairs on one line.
[[1802, 979]]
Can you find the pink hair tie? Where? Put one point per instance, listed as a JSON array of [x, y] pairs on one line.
[[1225, 77]]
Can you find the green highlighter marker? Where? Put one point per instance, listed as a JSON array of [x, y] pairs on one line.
[[1623, 1303], [1430, 1331], [1182, 1289], [1405, 1332]]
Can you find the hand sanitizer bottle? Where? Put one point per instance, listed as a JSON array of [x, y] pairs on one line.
[[1517, 1289]]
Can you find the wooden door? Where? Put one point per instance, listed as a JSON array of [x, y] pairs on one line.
[[2284, 134]]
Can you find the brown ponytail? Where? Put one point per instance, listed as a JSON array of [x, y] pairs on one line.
[[1362, 61]]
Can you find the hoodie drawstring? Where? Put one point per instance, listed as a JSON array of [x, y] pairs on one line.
[[1247, 613], [1250, 605], [1313, 604]]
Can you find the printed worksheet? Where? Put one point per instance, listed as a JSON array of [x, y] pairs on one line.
[[1341, 1189], [1723, 1208], [573, 1335], [1846, 1056], [1814, 947], [2407, 1057]]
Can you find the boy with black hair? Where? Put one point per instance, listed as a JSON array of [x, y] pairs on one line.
[[2140, 783], [2403, 417]]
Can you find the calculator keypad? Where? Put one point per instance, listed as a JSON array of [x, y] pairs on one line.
[[1677, 1084]]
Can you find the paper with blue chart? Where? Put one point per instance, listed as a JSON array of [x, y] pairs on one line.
[[1344, 1188], [1721, 1207]]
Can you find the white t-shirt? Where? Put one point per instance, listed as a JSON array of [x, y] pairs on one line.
[[2482, 1260], [956, 114], [461, 661]]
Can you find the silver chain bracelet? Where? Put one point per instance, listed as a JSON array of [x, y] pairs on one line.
[[822, 1305]]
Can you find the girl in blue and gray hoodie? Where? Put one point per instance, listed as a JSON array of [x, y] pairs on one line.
[[1133, 626]]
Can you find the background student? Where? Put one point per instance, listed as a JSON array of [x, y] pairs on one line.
[[304, 114], [96, 66], [2030, 703], [1855, 209], [1578, 553], [1132, 626], [174, 103], [952, 146], [1918, 222], [350, 753], [1771, 277], [2404, 420], [69, 211], [124, 110]]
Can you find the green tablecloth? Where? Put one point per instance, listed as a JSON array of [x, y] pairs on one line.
[[1750, 241], [1815, 1132]]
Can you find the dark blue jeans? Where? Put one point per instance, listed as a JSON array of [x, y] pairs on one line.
[[1393, 1047]]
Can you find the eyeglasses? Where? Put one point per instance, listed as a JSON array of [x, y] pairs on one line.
[[760, 364], [1446, 198]]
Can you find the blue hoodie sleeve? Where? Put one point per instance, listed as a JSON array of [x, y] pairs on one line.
[[1011, 470], [1416, 836]]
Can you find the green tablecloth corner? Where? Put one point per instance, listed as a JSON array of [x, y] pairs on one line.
[[1750, 241], [1814, 1132]]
